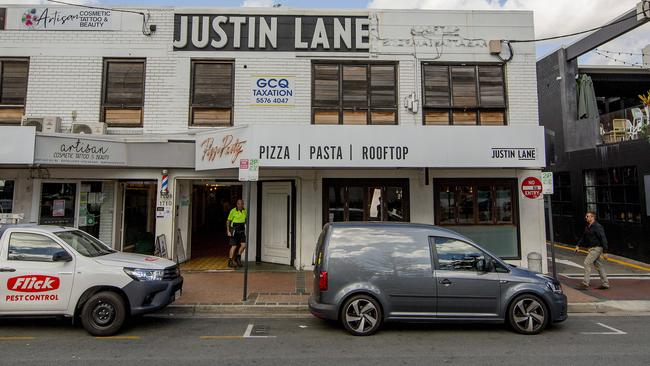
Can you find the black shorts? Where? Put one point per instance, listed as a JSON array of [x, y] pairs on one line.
[[238, 235]]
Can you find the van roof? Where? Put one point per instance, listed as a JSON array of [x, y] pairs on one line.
[[378, 224]]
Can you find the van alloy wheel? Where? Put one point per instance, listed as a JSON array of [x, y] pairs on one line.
[[361, 316], [528, 315]]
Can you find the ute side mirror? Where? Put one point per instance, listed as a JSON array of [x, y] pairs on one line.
[[61, 256]]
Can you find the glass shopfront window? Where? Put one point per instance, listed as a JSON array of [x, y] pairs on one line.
[[483, 210], [91, 199], [365, 200], [6, 196], [58, 204]]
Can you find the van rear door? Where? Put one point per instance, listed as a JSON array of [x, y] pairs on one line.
[[318, 259]]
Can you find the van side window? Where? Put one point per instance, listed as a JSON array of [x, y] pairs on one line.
[[457, 255], [31, 247]]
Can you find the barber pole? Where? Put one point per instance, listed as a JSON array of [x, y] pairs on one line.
[[165, 184]]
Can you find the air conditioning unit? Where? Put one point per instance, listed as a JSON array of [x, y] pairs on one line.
[[97, 128], [47, 124]]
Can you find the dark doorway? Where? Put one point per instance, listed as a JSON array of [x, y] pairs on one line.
[[211, 204], [139, 218]]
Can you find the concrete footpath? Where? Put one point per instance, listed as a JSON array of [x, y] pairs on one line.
[[283, 293]]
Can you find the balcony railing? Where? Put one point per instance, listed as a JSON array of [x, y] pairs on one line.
[[624, 125]]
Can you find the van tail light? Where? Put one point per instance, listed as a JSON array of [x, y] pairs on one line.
[[322, 281]]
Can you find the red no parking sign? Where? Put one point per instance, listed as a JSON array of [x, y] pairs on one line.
[[531, 187]]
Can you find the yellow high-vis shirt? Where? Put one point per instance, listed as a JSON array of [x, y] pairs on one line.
[[237, 217]]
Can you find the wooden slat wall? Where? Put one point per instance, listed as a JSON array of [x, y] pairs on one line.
[[437, 92], [14, 82], [491, 85]]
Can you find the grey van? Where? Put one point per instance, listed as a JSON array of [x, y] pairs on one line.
[[368, 273]]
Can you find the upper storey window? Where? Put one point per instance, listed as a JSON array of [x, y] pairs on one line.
[[463, 94], [13, 89], [211, 99], [354, 93], [123, 92]]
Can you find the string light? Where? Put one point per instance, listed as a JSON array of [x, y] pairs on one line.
[[635, 64], [620, 53]]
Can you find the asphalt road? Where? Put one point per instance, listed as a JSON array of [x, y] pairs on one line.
[[581, 340]]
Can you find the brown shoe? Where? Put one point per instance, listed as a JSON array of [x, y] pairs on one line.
[[582, 286]]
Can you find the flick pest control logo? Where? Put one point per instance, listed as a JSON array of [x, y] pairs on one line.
[[29, 17], [33, 283]]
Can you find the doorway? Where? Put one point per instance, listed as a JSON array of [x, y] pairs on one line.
[[211, 204], [277, 223], [138, 218]]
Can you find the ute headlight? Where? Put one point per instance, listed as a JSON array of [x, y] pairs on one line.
[[140, 274]]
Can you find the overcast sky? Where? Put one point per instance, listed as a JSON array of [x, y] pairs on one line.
[[552, 17]]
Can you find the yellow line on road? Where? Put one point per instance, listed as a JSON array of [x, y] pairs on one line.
[[16, 338], [221, 337], [128, 338], [613, 260]]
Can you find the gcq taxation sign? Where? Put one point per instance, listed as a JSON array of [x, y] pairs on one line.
[[272, 90]]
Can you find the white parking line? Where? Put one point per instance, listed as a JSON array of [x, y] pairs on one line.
[[614, 331]]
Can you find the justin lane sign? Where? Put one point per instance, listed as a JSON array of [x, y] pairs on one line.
[[210, 32]]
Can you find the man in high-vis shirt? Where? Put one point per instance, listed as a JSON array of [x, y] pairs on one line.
[[236, 229]]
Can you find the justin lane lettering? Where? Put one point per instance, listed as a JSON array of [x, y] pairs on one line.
[[519, 153], [270, 33], [229, 147]]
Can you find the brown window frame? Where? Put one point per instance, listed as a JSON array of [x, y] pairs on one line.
[[451, 108], [341, 108], [365, 184], [193, 106], [13, 106], [104, 106], [475, 183]]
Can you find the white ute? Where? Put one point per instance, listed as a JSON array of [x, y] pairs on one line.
[[59, 271]]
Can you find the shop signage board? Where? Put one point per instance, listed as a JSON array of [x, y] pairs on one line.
[[17, 145], [547, 182], [72, 150], [254, 32], [531, 187], [338, 146], [55, 18], [272, 91]]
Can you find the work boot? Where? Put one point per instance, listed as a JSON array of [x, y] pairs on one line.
[[239, 261], [231, 263]]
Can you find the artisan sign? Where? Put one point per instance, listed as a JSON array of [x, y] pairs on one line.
[[272, 90], [337, 146], [210, 32], [79, 151], [63, 18]]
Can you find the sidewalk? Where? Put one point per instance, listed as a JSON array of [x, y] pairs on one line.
[[629, 283]]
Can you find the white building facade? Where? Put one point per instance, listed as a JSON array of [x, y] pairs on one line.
[[373, 115]]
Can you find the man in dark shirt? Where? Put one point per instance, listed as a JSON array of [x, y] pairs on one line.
[[595, 241]]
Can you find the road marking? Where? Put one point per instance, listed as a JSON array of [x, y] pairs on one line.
[[221, 337], [567, 262], [119, 338], [17, 338], [249, 330], [614, 331]]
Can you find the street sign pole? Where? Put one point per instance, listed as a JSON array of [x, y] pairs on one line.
[[547, 189], [248, 172], [550, 230], [248, 215]]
